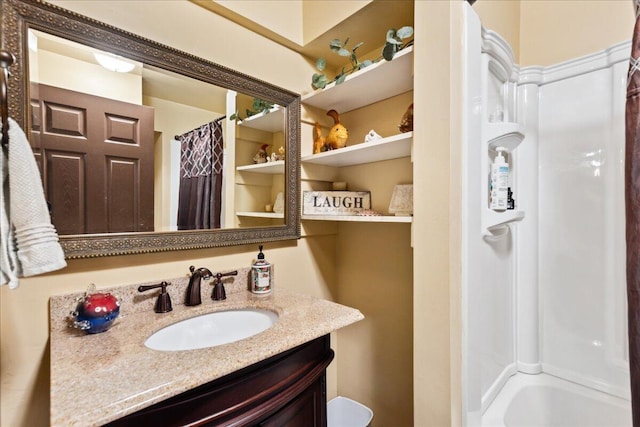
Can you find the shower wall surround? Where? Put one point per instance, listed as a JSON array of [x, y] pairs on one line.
[[581, 248], [548, 295]]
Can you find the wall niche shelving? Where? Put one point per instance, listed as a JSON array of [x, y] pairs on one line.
[[258, 183], [376, 83]]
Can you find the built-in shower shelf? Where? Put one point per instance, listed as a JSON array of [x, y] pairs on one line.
[[507, 135], [495, 223], [504, 134]]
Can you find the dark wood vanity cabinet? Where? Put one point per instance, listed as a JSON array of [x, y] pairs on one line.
[[288, 389]]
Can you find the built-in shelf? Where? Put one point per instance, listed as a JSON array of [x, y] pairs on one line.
[[504, 134], [273, 121], [374, 83], [508, 135], [359, 218], [272, 168], [392, 147], [272, 215]]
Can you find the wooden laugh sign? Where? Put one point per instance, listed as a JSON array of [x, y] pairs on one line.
[[335, 202]]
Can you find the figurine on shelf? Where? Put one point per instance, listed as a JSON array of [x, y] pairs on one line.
[[261, 155], [406, 124], [337, 138], [320, 141], [280, 155], [372, 136], [338, 134]]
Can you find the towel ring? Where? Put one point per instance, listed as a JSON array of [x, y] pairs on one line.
[[6, 60]]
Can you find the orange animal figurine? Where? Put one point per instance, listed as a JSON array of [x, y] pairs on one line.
[[338, 134], [320, 141]]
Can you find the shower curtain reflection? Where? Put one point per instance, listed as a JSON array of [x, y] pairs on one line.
[[200, 193], [632, 199]]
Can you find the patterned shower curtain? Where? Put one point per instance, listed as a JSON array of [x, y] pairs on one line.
[[200, 196], [632, 201]]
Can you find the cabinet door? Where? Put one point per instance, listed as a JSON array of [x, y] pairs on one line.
[[306, 410]]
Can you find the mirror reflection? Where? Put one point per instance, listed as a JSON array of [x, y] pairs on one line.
[[124, 146]]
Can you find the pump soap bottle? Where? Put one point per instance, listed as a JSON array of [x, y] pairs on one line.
[[499, 182], [261, 275]]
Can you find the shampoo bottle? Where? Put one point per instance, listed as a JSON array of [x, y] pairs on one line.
[[499, 182], [261, 275]]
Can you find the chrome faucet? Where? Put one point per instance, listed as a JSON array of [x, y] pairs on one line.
[[193, 296]]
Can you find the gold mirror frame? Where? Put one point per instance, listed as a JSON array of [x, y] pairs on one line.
[[20, 15]]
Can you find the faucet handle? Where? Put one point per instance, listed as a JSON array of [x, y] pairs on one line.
[[163, 303], [218, 287], [230, 273]]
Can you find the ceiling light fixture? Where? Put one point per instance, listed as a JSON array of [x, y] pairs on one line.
[[114, 62]]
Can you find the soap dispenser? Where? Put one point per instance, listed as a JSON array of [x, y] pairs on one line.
[[261, 275], [499, 182]]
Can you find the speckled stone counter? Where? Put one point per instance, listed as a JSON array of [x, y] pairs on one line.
[[99, 378]]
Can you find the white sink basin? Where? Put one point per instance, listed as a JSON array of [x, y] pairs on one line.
[[210, 330]]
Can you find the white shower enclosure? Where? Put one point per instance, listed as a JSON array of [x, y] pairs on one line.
[[543, 284]]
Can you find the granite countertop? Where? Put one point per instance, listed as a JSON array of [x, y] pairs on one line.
[[102, 377]]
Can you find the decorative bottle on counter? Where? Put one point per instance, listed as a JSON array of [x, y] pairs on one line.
[[261, 275], [498, 187]]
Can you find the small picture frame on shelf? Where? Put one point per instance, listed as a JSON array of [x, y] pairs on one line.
[[402, 200]]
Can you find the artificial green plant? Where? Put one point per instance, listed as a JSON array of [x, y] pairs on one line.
[[392, 46], [259, 106]]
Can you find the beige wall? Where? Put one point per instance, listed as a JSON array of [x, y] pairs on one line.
[[284, 16], [435, 330], [545, 32], [297, 22], [553, 31], [319, 16], [374, 265], [503, 17]]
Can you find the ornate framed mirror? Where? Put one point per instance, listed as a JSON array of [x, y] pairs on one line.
[[24, 20]]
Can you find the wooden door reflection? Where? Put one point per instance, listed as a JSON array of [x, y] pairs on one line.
[[96, 157]]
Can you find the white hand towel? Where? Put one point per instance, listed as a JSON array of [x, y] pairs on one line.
[[29, 242]]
